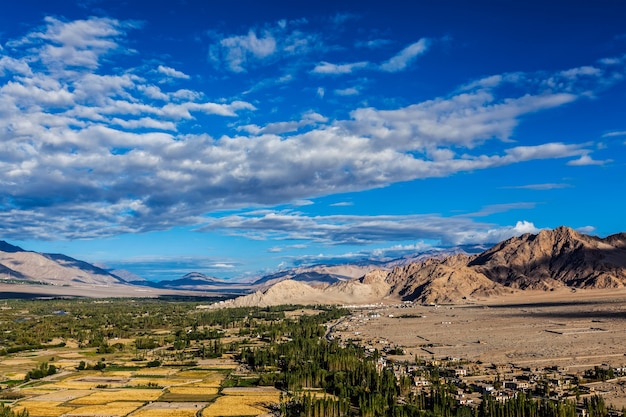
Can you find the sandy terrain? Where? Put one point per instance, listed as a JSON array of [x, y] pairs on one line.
[[568, 329]]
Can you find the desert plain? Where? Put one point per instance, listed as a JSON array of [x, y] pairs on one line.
[[570, 330]]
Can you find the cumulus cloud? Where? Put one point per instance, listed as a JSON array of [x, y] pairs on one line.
[[80, 43], [586, 160], [586, 229], [280, 41], [494, 235], [89, 152], [307, 119]]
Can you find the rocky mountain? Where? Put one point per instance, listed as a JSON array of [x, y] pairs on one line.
[[369, 289], [323, 275], [553, 258], [550, 259]]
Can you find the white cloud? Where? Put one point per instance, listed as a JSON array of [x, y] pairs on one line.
[[363, 230], [495, 235], [405, 57], [586, 160], [80, 43], [328, 68], [584, 71], [586, 229], [282, 41], [15, 66], [465, 119], [88, 152], [307, 119], [238, 49], [373, 43], [171, 72], [350, 91], [541, 187], [614, 133], [501, 208]]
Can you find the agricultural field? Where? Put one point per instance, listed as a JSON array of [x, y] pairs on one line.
[[145, 358], [182, 392], [106, 359]]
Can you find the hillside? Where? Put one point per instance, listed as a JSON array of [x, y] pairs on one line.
[[19, 265], [555, 258]]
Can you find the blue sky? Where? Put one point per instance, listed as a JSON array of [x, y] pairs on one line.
[[237, 138]]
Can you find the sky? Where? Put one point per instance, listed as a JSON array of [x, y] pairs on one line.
[[239, 138]]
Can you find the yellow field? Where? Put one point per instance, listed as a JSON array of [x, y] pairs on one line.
[[42, 408], [31, 392], [161, 382], [164, 412], [157, 371], [250, 391], [123, 374], [195, 374], [70, 385], [104, 397], [213, 380], [116, 408], [193, 390], [235, 405], [60, 395], [14, 375]]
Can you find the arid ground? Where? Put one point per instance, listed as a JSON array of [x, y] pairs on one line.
[[572, 330]]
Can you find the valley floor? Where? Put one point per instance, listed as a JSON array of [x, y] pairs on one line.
[[571, 331]]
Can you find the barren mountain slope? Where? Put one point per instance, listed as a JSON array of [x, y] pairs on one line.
[[441, 281], [553, 258], [51, 269]]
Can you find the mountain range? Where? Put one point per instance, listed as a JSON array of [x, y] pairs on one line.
[[551, 259]]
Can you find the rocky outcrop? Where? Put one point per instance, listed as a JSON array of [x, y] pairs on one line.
[[552, 258]]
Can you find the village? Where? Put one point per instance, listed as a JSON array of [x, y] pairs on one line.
[[423, 361]]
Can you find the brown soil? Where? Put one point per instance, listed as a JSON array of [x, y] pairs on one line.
[[562, 328]]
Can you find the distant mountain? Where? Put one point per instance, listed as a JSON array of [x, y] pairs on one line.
[[323, 275], [6, 247], [196, 281], [127, 276], [18, 265], [317, 275], [193, 279], [550, 259]]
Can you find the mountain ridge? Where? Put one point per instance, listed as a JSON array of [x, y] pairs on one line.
[[550, 259]]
